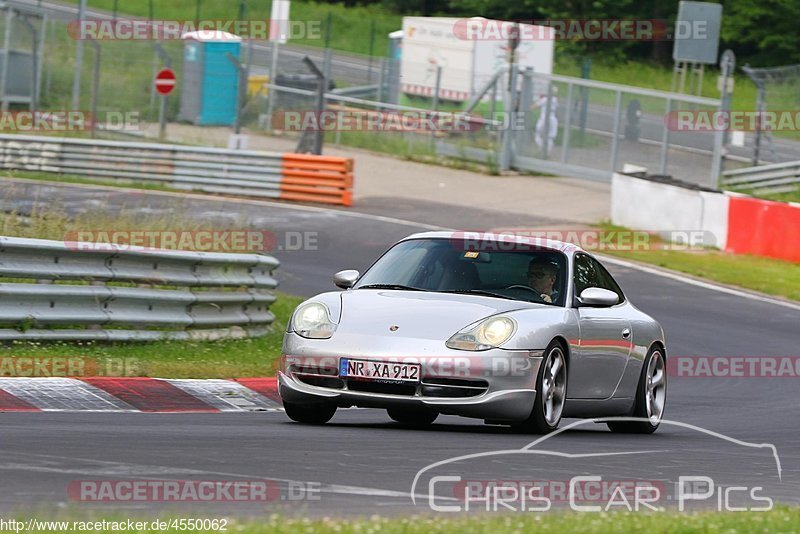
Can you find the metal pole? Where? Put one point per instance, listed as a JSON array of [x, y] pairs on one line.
[[615, 137], [371, 49], [35, 58], [437, 88], [547, 107], [327, 63], [6, 45], [381, 66], [76, 78], [42, 42], [273, 75], [95, 86], [759, 108], [506, 148], [240, 70], [716, 158], [197, 12], [114, 11], [162, 103], [662, 166], [567, 122]]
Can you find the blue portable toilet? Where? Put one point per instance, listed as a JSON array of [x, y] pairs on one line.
[[210, 80]]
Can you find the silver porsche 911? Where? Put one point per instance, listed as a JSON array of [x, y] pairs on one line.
[[513, 330]]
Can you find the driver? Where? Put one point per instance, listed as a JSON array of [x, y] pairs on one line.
[[542, 275]]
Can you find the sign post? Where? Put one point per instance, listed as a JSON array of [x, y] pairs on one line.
[[165, 83], [278, 34]]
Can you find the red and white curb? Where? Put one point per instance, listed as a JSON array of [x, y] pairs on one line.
[[99, 394]]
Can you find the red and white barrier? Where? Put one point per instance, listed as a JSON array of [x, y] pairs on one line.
[[728, 221]]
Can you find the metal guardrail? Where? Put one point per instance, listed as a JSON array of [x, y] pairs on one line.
[[122, 293], [773, 178], [211, 170]]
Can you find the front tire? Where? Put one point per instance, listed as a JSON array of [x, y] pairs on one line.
[[418, 417], [309, 414], [651, 397], [551, 393]]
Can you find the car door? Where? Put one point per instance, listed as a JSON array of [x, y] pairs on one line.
[[605, 335]]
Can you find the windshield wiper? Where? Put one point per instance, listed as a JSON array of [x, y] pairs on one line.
[[478, 292], [390, 286]]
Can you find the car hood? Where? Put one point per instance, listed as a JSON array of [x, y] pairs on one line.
[[422, 315]]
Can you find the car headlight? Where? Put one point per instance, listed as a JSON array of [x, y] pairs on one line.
[[488, 334], [313, 321]]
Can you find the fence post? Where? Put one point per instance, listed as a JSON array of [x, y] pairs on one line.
[[76, 78], [567, 125], [615, 138], [662, 165], [6, 45], [506, 154], [95, 84], [437, 88], [525, 102], [547, 106]]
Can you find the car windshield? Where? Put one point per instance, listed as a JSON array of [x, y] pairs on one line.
[[489, 268]]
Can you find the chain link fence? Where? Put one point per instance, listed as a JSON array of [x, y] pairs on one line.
[[554, 124]]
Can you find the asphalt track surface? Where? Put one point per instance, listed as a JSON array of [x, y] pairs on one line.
[[361, 463]]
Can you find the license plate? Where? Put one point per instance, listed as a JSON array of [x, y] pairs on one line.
[[382, 371]]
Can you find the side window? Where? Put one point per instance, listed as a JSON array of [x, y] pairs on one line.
[[585, 274], [606, 281]]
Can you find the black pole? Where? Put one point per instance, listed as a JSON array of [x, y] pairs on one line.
[[114, 16], [150, 10], [371, 47], [328, 30], [197, 12]]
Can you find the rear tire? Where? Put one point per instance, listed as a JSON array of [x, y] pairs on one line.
[[551, 393], [651, 397], [309, 414], [419, 417]]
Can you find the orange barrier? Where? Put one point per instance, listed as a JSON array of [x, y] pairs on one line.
[[311, 178], [764, 228]]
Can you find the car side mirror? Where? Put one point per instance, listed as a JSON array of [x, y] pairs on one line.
[[597, 296], [346, 279]]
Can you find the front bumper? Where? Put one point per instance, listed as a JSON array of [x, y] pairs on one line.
[[497, 385]]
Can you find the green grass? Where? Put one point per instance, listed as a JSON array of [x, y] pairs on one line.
[[766, 275], [780, 519], [174, 359], [792, 196]]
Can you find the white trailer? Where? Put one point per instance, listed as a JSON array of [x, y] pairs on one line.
[[469, 51]]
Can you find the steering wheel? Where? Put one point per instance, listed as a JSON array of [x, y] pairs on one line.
[[520, 286]]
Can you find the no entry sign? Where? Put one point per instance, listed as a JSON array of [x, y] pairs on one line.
[[165, 81]]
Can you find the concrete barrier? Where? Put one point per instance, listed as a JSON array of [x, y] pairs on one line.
[[665, 209], [728, 221]]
